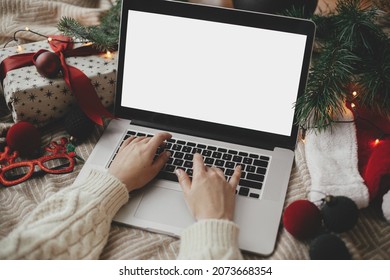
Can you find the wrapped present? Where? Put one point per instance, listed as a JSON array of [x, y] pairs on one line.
[[87, 78]]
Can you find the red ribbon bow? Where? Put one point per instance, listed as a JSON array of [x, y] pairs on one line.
[[77, 81]]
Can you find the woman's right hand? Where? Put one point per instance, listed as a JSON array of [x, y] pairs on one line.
[[209, 195]]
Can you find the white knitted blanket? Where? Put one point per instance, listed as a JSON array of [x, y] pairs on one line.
[[370, 239], [43, 15]]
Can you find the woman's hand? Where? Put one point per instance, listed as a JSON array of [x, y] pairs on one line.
[[135, 165], [209, 195]]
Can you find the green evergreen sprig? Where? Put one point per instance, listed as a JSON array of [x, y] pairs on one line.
[[327, 86], [104, 36], [353, 50]]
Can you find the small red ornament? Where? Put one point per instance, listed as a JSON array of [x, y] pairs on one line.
[[302, 219], [48, 64], [24, 138]]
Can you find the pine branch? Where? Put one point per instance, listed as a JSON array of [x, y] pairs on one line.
[[326, 89], [104, 36], [354, 50]]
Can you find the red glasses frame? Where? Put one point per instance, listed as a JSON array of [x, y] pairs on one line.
[[31, 166]]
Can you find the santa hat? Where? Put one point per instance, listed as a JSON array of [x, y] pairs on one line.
[[352, 159]]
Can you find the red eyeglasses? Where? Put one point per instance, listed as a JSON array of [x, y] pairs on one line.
[[58, 162], [18, 172]]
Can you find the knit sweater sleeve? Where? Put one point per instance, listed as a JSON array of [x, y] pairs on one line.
[[71, 224], [210, 239]]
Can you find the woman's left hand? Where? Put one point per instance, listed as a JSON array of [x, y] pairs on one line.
[[135, 165]]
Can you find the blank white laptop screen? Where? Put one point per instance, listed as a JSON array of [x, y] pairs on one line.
[[215, 72]]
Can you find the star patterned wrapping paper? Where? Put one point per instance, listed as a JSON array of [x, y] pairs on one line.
[[39, 100]]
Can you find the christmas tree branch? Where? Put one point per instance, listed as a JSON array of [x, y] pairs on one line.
[[104, 36], [353, 50], [326, 88]]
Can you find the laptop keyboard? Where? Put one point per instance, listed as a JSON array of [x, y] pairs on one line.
[[254, 166]]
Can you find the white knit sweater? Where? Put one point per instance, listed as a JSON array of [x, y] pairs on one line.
[[75, 223]]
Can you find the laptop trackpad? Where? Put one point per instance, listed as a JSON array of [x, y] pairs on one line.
[[164, 206]]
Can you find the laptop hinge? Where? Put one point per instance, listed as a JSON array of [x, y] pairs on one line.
[[209, 134]]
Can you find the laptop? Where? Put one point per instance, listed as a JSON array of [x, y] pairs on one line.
[[223, 82]]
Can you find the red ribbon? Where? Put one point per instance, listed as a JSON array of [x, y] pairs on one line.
[[77, 81]]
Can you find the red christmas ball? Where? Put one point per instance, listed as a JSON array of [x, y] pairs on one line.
[[48, 64], [302, 219], [24, 138]]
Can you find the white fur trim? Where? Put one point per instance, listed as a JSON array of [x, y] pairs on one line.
[[386, 206], [333, 163]]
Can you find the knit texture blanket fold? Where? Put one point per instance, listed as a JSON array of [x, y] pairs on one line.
[[42, 16], [368, 240]]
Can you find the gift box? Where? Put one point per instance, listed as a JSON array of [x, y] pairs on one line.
[[39, 100]]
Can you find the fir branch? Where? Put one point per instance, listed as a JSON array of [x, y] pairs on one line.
[[356, 27], [70, 27], [326, 87], [104, 36], [354, 50]]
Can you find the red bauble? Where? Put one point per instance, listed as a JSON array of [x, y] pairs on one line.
[[24, 138], [48, 64], [302, 219]]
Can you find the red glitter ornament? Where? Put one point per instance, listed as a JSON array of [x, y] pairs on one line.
[[48, 64], [24, 138], [302, 219]]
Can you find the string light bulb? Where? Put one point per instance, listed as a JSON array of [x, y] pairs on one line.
[[19, 49], [353, 105], [108, 54], [27, 28], [50, 39], [376, 142], [354, 93]]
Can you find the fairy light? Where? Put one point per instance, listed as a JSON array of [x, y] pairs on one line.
[[108, 54], [19, 49], [50, 39], [27, 28], [377, 141]]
